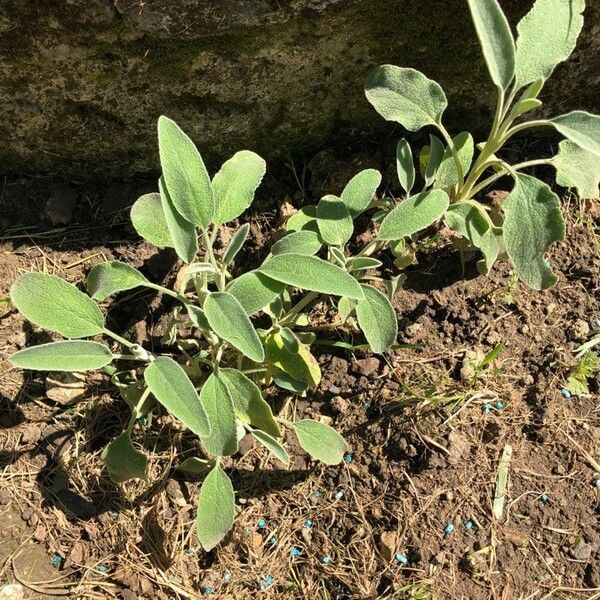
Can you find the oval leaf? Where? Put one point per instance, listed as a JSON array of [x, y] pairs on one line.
[[236, 243], [296, 360], [334, 220], [577, 168], [311, 273], [432, 159], [360, 191], [303, 220], [248, 403], [405, 165], [532, 221], [496, 40], [235, 183], [123, 462], [112, 276], [185, 175], [272, 445], [414, 214], [580, 127], [63, 356], [377, 319], [405, 96], [171, 386], [321, 441], [547, 36], [300, 242], [254, 291], [182, 232], [148, 219], [52, 303], [216, 508], [229, 321], [218, 405], [447, 174]]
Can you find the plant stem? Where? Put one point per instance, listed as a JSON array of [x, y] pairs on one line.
[[298, 307], [119, 339], [517, 167], [167, 291], [522, 127]]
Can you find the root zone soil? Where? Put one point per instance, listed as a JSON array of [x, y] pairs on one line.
[[408, 514]]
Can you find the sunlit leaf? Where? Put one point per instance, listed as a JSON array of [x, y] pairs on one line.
[[111, 277], [405, 165], [218, 405], [447, 174], [254, 291], [360, 190], [334, 221], [377, 319], [298, 242], [577, 168], [236, 243], [321, 441], [580, 127], [148, 219], [81, 355], [272, 445]]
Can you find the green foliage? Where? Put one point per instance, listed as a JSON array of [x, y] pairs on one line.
[[321, 441], [405, 167], [360, 190], [217, 402], [577, 168], [123, 462], [334, 221], [577, 382], [377, 319], [148, 219], [113, 276], [80, 355]]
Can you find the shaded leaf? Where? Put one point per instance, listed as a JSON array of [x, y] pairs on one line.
[[236, 243], [577, 168], [195, 465], [63, 356], [377, 319], [297, 362], [148, 219], [334, 221], [123, 462], [298, 242], [432, 159], [321, 441], [286, 382], [405, 165], [254, 291], [360, 190], [304, 220], [111, 277], [218, 405], [272, 445]]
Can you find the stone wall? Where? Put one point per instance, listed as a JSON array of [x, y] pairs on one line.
[[82, 82]]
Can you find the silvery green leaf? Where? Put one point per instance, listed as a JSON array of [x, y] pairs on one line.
[[532, 221], [405, 165], [304, 219], [254, 291], [434, 159], [185, 175], [394, 284], [199, 268], [286, 382], [217, 403], [248, 403], [547, 36], [272, 445], [311, 273], [54, 304], [289, 339], [216, 508], [334, 221], [111, 277], [182, 232], [123, 462], [235, 183], [523, 106], [446, 175], [338, 256], [360, 190], [580, 127], [195, 465], [577, 168], [532, 90], [69, 355], [405, 96], [377, 319], [299, 242], [299, 363], [148, 219], [321, 441], [171, 386], [414, 214], [236, 243], [362, 263], [345, 308], [227, 318], [197, 317], [496, 40]]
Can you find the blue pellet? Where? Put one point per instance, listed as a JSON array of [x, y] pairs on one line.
[[565, 393], [348, 458], [102, 568], [597, 483], [296, 552], [208, 591], [326, 559], [273, 540], [56, 560], [499, 405], [190, 552], [486, 408], [262, 524], [339, 494], [544, 498], [366, 405], [449, 529], [308, 524], [227, 577], [469, 524], [401, 558]]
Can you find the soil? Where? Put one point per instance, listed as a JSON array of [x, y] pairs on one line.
[[424, 449]]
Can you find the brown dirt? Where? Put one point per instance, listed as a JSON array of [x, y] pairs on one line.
[[424, 454]]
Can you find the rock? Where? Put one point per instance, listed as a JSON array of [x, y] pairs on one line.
[[60, 205], [12, 591], [339, 404], [458, 446], [583, 551], [580, 330], [387, 544], [65, 388], [366, 366], [469, 366]]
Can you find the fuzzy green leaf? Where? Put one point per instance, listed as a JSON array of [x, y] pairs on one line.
[[272, 445], [123, 462], [360, 190], [496, 40], [447, 174], [197, 317], [523, 106], [111, 277], [405, 165], [321, 441], [254, 291], [248, 403], [414, 214], [148, 219], [303, 220], [63, 356], [235, 183], [54, 304], [547, 36], [362, 263], [296, 360], [298, 242], [377, 319], [580, 127], [405, 96], [216, 508], [171, 386], [577, 168], [182, 232], [236, 243], [185, 175], [228, 319], [334, 220], [311, 273], [218, 405], [532, 222]]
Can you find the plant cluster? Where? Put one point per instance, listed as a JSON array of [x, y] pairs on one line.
[[215, 361]]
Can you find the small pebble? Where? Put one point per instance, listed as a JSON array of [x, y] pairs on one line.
[[449, 529], [499, 405], [296, 552], [348, 458], [190, 552], [227, 577], [597, 322], [597, 483], [273, 540], [114, 514], [102, 568], [366, 405], [469, 524], [262, 524], [544, 498], [565, 393], [208, 591], [486, 408], [326, 559], [401, 558], [339, 494], [56, 560], [308, 524]]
